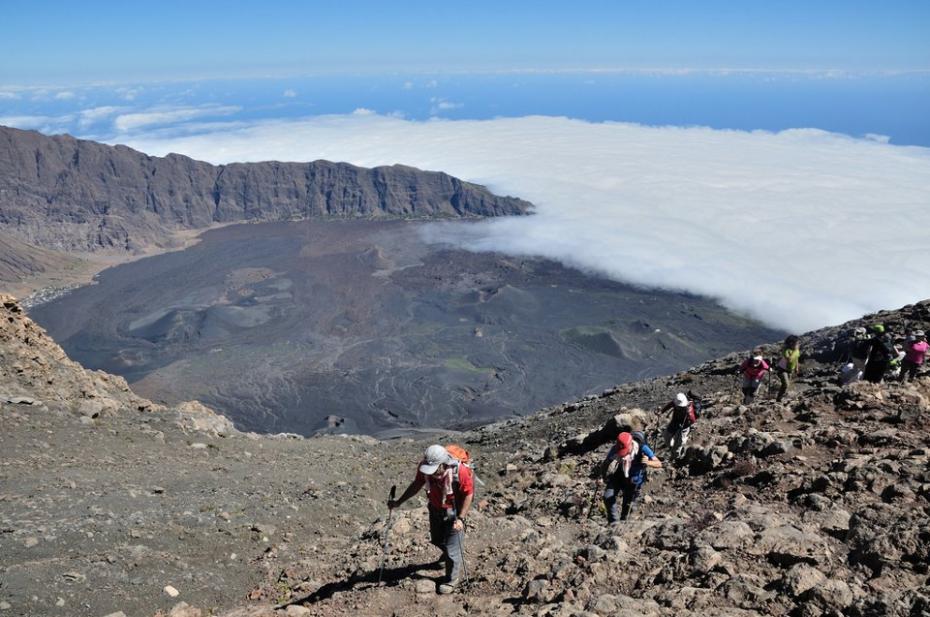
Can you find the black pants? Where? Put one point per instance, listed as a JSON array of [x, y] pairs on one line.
[[784, 378], [628, 493], [875, 370], [908, 370]]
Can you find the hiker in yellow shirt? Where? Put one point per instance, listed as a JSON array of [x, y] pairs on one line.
[[787, 366]]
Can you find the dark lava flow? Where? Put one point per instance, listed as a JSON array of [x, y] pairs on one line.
[[359, 326]]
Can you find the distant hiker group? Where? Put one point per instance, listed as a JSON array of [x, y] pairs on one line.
[[879, 356], [871, 354]]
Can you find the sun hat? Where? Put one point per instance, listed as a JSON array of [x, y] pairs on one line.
[[435, 456], [681, 400]]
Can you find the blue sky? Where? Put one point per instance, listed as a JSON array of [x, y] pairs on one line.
[[771, 128], [104, 69], [73, 42]]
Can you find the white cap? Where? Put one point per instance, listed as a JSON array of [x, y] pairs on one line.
[[435, 456], [681, 400], [757, 358]]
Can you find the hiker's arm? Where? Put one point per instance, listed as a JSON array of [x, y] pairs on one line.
[[458, 525], [604, 469], [412, 490], [667, 407], [653, 462]]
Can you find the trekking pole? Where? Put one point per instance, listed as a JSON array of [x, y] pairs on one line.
[[387, 532], [462, 547]]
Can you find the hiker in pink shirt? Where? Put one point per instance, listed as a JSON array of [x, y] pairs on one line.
[[915, 352], [753, 370]]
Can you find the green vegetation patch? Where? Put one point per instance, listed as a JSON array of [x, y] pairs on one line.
[[460, 363]]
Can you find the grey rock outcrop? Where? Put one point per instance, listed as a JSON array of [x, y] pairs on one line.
[[71, 194]]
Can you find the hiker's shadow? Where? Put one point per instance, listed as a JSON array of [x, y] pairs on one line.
[[391, 577]]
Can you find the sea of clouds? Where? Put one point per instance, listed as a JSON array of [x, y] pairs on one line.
[[799, 228]]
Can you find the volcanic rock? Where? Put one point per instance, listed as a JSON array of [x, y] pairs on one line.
[[72, 194]]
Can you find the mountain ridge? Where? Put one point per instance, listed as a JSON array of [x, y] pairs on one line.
[[70, 194]]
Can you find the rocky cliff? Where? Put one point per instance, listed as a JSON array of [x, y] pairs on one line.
[[65, 193], [811, 507]]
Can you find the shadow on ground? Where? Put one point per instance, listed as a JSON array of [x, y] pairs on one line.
[[391, 577]]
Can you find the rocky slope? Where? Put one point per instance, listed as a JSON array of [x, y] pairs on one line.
[[816, 506], [20, 261], [65, 193]]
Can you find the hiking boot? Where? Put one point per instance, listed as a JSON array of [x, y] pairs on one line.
[[447, 588]]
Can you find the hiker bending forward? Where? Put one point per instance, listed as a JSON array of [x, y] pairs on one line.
[[450, 489], [624, 474], [684, 415], [753, 370]]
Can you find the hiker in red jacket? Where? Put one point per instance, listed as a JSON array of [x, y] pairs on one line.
[[450, 489], [753, 370]]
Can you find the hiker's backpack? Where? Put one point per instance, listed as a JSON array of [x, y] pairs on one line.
[[460, 453], [464, 458], [688, 417], [694, 411], [640, 438], [695, 407]]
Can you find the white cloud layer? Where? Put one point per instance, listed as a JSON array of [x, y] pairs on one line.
[[45, 124], [88, 117], [170, 115], [800, 228]]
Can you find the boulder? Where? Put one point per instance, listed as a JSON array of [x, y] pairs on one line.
[[833, 595], [424, 585], [628, 420], [787, 545], [704, 559], [801, 577], [536, 590], [182, 609], [727, 535], [195, 416]]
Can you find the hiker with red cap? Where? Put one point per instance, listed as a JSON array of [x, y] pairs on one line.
[[754, 369], [625, 472], [450, 490]]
